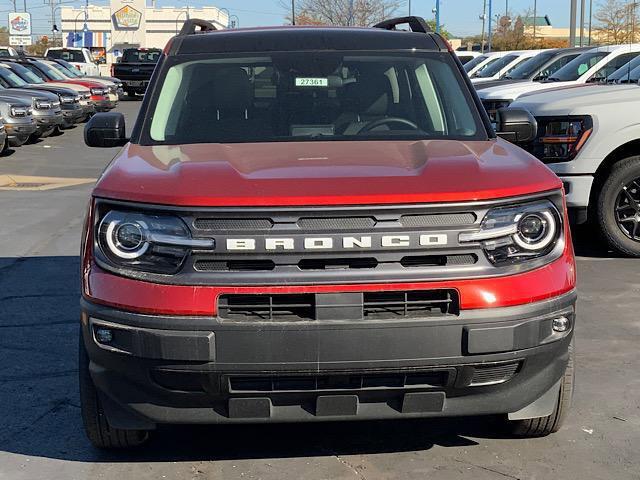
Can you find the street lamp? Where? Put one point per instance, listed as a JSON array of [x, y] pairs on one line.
[[483, 17], [234, 21], [437, 12]]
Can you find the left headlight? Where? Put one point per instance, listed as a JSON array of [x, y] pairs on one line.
[[145, 242], [518, 233], [560, 139], [20, 111]]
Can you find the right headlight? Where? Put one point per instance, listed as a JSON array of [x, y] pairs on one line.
[[20, 111], [518, 233], [67, 99]]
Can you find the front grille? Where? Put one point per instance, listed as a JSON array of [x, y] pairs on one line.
[[411, 304], [310, 383], [493, 374], [438, 220], [336, 223], [233, 223], [371, 306]]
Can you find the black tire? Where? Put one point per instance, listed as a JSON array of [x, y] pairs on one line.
[[622, 174], [543, 426], [96, 426]]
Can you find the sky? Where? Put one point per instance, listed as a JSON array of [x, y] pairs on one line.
[[459, 16]]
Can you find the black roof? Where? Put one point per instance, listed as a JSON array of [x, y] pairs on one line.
[[292, 38]]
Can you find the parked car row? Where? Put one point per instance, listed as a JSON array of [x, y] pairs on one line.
[[39, 97], [579, 118]]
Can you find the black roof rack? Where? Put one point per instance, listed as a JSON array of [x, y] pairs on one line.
[[416, 24], [189, 27]]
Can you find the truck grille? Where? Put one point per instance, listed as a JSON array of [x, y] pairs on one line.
[[365, 306]]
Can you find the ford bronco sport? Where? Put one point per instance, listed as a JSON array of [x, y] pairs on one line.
[[313, 224]]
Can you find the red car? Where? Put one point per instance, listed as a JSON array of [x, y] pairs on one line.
[[99, 92], [316, 224]]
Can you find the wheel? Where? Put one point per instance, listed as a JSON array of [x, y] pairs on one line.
[[96, 426], [618, 207], [542, 426]]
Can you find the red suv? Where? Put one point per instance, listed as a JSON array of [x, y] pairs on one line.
[[312, 224]]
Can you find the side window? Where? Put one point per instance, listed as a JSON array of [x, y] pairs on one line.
[[612, 66], [554, 67], [430, 95]]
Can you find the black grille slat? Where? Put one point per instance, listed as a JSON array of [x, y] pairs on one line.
[[375, 306], [494, 373], [336, 223], [438, 220], [233, 265], [223, 224]]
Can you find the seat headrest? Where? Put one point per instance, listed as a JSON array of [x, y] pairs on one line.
[[370, 94]]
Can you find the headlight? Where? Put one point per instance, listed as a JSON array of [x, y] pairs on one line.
[[560, 139], [20, 111], [43, 104], [98, 91], [519, 233], [148, 243], [68, 100]]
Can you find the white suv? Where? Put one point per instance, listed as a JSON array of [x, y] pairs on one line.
[[80, 58], [502, 66]]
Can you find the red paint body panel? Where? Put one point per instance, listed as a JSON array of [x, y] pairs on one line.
[[323, 173], [84, 83]]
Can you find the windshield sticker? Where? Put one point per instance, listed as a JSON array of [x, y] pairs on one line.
[[312, 82]]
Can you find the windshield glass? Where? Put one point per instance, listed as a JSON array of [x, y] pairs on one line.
[[140, 56], [68, 55], [50, 72], [623, 72], [295, 96], [494, 67], [10, 78], [471, 64], [527, 69], [578, 66], [26, 74], [68, 69]]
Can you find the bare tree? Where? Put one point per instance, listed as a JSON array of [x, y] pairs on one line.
[[616, 22], [362, 13]]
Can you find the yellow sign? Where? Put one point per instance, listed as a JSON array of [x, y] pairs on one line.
[[127, 17]]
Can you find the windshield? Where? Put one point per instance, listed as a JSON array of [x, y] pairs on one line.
[[68, 69], [494, 67], [578, 67], [10, 78], [526, 70], [623, 72], [141, 56], [295, 96], [68, 55], [26, 74], [50, 72], [471, 64]]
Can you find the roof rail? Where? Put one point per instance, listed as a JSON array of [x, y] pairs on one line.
[[416, 24], [189, 27]]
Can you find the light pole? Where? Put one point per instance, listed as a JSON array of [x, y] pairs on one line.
[[490, 20], [535, 19], [572, 23], [293, 12], [582, 3], [590, 18], [483, 17], [437, 16]]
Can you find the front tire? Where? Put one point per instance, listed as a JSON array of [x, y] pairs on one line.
[[96, 425], [543, 426], [618, 207]]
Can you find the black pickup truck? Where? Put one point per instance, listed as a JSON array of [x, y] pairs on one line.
[[135, 68]]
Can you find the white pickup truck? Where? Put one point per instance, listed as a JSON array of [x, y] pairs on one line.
[[80, 58], [590, 137]]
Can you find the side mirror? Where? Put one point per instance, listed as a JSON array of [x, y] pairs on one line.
[[516, 125], [105, 130]]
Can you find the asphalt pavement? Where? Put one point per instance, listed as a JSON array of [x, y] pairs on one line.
[[41, 434]]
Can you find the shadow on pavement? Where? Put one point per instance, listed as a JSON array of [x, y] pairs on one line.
[[39, 313]]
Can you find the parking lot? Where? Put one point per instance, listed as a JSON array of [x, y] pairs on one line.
[[41, 437]]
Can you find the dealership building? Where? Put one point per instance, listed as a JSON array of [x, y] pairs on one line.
[[107, 30]]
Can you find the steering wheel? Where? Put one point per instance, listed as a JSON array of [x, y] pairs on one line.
[[386, 121]]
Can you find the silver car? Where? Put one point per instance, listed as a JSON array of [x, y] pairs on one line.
[[17, 116]]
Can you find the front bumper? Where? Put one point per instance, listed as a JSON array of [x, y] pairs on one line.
[[48, 121], [103, 104], [19, 132], [170, 369]]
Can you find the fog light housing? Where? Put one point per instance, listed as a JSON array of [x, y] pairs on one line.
[[561, 324], [104, 335]]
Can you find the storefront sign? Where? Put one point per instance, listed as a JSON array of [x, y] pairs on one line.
[[20, 40], [127, 17], [19, 23]]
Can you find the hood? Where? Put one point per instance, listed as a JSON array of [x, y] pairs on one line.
[[73, 86], [83, 83], [583, 97], [29, 93], [512, 91], [48, 87], [323, 173], [496, 83], [14, 100]]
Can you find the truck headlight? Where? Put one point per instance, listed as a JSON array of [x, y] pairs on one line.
[[144, 242], [43, 104], [518, 233], [98, 91], [66, 100], [20, 111], [560, 139]]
